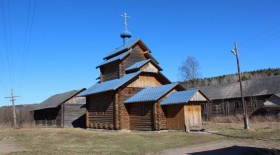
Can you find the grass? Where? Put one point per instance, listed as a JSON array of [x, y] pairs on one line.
[[267, 132], [80, 141]]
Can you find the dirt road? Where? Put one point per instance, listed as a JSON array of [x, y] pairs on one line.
[[224, 147]]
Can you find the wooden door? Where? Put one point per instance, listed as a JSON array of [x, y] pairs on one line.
[[193, 116]]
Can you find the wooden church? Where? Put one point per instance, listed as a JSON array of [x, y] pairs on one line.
[[133, 94]]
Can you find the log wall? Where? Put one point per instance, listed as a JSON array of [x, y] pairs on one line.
[[141, 116], [109, 72], [100, 109], [124, 94]]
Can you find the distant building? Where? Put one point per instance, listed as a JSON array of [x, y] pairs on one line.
[[226, 98], [133, 94], [61, 110]]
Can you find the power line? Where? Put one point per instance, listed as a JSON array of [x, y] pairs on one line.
[[27, 39]]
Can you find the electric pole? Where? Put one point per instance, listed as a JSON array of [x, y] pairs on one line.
[[245, 115], [12, 97]]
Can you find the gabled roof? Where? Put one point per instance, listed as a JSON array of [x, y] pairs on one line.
[[255, 87], [58, 99], [151, 93], [140, 64], [124, 48], [118, 57], [109, 85], [183, 97]]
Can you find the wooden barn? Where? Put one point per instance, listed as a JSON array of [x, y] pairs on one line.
[[226, 98], [61, 110], [131, 90]]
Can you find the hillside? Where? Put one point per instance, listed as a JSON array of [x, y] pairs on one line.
[[224, 79]]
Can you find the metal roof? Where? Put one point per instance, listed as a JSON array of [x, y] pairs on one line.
[[151, 93], [118, 57], [121, 49], [179, 97], [109, 85], [57, 99], [140, 64], [255, 87]]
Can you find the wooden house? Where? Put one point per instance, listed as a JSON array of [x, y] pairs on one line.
[[226, 98], [131, 90], [61, 110]]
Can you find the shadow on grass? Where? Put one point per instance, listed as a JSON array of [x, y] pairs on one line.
[[239, 150]]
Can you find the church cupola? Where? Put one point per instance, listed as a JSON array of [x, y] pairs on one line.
[[125, 34]]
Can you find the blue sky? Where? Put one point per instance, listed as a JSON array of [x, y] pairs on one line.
[[64, 40]]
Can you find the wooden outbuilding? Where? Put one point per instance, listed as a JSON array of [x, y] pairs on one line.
[[226, 98], [131, 90], [61, 110]]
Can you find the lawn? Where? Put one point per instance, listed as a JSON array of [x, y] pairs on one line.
[[81, 141]]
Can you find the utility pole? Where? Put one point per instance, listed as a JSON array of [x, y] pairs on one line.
[[12, 97], [245, 115]]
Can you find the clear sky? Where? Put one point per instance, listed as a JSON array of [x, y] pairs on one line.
[[52, 46]]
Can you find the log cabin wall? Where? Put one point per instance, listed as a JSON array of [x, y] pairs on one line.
[[124, 94], [175, 117], [136, 55], [74, 112], [51, 117], [141, 116], [100, 110], [109, 71]]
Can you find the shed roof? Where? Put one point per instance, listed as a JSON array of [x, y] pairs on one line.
[[273, 101], [118, 57], [151, 93], [182, 97], [109, 85], [255, 87], [58, 99], [140, 64]]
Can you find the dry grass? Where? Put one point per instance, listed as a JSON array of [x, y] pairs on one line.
[[268, 133], [80, 141], [239, 119]]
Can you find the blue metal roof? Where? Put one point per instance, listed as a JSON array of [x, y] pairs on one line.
[[109, 85], [118, 57], [137, 65], [121, 49], [179, 97], [151, 94]]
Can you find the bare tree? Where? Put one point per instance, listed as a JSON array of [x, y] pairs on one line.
[[188, 71]]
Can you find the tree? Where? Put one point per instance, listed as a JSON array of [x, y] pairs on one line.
[[188, 71]]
